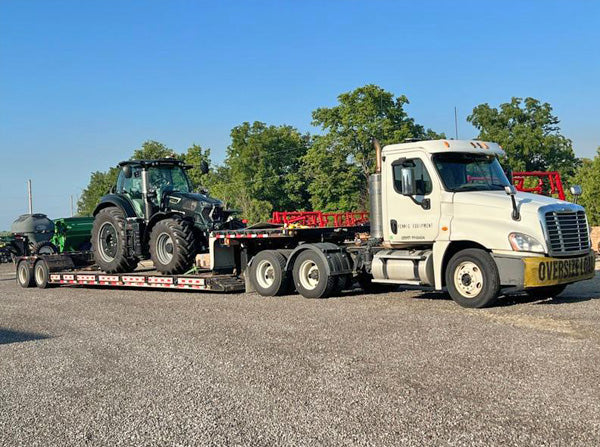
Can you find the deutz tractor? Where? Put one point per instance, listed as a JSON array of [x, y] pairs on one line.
[[152, 212]]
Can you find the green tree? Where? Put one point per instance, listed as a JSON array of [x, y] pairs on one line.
[[99, 185], [588, 176], [339, 162], [261, 172], [152, 150], [529, 134], [194, 156]]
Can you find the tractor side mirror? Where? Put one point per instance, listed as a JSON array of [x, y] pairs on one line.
[[127, 171], [204, 167], [409, 187]]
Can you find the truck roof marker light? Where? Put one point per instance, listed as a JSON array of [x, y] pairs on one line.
[[444, 228], [479, 145], [485, 146], [473, 144], [446, 143]]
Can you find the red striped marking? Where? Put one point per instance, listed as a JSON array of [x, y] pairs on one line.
[[136, 279], [68, 277], [159, 280], [108, 278], [191, 281]]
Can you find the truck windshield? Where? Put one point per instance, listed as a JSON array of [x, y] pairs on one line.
[[168, 178], [470, 172]]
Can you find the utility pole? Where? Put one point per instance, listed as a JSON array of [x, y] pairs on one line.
[[29, 196], [455, 123]]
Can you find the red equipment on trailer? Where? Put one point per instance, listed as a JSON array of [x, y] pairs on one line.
[[548, 183], [319, 219]]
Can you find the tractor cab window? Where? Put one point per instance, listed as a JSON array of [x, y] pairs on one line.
[[131, 185], [167, 179], [422, 178]]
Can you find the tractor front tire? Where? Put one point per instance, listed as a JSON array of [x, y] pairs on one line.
[[109, 242], [172, 246]]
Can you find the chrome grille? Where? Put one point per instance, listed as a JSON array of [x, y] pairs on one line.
[[567, 232]]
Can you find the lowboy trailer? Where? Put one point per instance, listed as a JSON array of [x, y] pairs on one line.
[[442, 213]]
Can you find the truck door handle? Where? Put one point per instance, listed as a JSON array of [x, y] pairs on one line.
[[394, 226]]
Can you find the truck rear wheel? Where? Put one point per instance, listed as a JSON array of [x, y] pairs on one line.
[[172, 246], [268, 275], [25, 275], [310, 277], [472, 278], [109, 242]]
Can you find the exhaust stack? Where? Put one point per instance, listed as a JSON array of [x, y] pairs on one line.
[[376, 212]]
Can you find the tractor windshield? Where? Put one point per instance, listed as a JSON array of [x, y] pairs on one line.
[[168, 178], [470, 172]]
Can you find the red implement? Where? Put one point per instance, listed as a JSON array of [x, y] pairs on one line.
[[319, 219], [548, 183]]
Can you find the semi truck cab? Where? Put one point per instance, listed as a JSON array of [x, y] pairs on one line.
[[445, 215]]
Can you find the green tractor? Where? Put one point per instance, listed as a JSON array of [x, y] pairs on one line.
[[152, 213]]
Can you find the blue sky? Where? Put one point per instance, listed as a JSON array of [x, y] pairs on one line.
[[84, 83]]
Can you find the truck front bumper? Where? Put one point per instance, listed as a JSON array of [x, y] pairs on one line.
[[528, 272]]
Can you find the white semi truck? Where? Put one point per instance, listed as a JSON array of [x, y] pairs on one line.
[[443, 215]]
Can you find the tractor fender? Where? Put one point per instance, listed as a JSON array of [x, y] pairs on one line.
[[118, 201], [337, 261]]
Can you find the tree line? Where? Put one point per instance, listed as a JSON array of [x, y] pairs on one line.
[[278, 168]]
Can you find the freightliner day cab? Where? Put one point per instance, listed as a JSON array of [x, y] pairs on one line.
[[443, 216]]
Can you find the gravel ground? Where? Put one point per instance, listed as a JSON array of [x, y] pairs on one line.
[[127, 367]]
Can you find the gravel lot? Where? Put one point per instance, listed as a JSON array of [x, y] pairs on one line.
[[125, 367]]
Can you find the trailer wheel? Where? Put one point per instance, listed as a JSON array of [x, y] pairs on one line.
[[172, 246], [268, 275], [109, 241], [310, 277], [44, 248], [41, 274], [472, 278], [25, 275]]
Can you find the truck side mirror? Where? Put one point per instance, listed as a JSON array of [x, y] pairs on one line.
[[204, 167], [409, 187], [576, 191], [127, 171]]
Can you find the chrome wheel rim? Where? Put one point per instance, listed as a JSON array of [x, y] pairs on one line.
[[107, 242], [164, 248], [468, 279], [308, 274], [265, 274]]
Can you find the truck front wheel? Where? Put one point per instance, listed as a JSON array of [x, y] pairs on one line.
[[268, 275], [472, 278], [310, 276]]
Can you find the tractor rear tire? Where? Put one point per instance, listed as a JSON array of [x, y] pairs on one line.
[[109, 242], [172, 246]]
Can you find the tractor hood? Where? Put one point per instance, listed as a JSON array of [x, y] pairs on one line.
[[189, 198], [206, 212]]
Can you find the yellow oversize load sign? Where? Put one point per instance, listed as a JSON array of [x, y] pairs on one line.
[[551, 271]]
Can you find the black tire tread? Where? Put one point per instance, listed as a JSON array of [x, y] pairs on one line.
[[35, 248], [124, 263], [183, 237], [280, 259]]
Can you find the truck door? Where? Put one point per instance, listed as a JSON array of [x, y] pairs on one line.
[[415, 218]]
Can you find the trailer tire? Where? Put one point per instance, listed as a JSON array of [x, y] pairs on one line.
[[25, 275], [41, 274], [109, 241], [44, 248], [310, 276], [268, 274], [546, 292], [172, 245], [472, 278]]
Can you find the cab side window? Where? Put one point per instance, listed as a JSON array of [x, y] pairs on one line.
[[422, 178]]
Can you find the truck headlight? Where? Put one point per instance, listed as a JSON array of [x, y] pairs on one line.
[[524, 242]]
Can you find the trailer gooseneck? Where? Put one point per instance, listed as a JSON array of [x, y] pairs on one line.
[[443, 215]]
